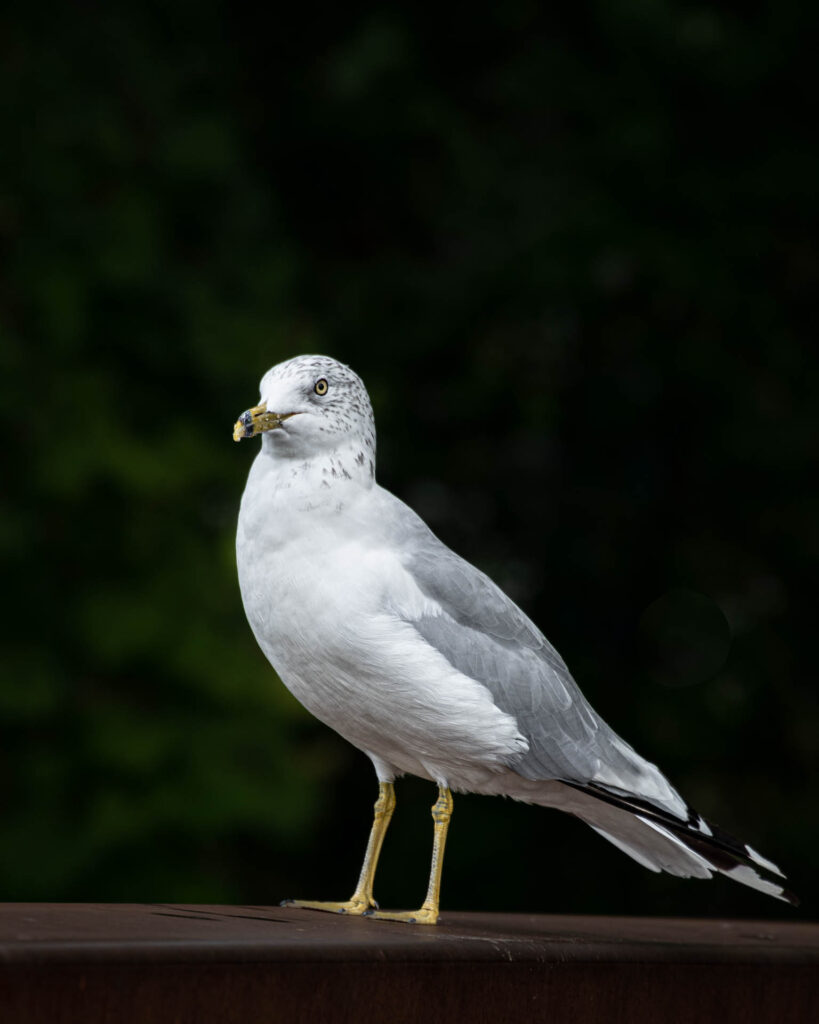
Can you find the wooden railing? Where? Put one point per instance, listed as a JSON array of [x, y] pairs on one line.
[[123, 964]]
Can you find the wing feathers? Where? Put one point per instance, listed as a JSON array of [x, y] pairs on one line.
[[702, 844], [484, 635]]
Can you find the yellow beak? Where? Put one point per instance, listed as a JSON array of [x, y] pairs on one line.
[[257, 420]]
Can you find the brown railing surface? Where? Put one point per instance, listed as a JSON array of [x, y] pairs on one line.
[[129, 964]]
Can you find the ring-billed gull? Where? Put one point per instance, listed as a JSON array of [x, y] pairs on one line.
[[419, 659]]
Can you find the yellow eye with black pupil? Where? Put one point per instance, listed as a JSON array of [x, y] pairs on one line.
[[321, 386]]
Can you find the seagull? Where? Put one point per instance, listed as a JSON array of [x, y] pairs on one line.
[[418, 659]]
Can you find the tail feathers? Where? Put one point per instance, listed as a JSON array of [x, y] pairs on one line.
[[627, 848], [661, 842]]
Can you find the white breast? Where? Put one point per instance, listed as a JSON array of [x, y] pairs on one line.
[[332, 610]]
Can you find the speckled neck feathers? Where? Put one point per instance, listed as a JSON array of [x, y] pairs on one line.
[[328, 445]]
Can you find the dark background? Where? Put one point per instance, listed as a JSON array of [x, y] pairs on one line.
[[572, 256]]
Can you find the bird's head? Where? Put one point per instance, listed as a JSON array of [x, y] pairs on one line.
[[309, 405]]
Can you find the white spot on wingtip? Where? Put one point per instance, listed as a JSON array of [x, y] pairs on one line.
[[742, 873], [762, 862]]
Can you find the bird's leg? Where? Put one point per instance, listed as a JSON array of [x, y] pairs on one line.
[[428, 914], [362, 899]]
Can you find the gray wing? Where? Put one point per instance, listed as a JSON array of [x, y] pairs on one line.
[[484, 635]]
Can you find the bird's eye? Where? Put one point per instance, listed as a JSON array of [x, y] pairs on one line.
[[320, 387]]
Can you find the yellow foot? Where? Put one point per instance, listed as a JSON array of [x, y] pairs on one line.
[[353, 906], [426, 915]]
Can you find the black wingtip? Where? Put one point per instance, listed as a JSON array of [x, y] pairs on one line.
[[718, 848]]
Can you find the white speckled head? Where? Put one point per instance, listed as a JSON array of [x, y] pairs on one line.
[[327, 408]]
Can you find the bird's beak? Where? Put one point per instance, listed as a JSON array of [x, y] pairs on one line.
[[257, 420]]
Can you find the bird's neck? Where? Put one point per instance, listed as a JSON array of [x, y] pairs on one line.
[[322, 479]]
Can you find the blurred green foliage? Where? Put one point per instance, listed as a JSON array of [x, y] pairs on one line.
[[573, 256]]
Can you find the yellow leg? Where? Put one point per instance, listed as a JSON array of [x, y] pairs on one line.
[[428, 914], [362, 899]]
